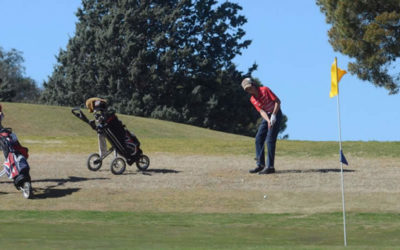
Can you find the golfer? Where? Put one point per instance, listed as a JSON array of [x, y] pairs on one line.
[[268, 104]]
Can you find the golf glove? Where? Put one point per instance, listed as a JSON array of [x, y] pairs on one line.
[[273, 119]]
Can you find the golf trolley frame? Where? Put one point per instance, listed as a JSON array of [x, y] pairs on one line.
[[118, 164]]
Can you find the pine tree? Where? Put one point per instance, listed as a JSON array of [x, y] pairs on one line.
[[166, 59], [367, 31]]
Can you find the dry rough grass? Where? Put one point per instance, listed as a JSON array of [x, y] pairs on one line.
[[208, 184]]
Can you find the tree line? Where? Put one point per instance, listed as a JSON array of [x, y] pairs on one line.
[[169, 60], [165, 59], [172, 59], [14, 85]]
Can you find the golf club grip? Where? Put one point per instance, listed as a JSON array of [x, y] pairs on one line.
[[78, 113]]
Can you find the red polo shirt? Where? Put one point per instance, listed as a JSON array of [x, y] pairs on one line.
[[265, 101]]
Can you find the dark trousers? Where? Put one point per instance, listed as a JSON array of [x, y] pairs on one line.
[[265, 135]]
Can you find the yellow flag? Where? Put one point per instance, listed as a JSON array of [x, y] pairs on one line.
[[336, 75]]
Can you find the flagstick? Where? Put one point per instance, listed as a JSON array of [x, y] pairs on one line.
[[341, 167]]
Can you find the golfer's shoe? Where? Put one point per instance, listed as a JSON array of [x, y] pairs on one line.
[[256, 170], [267, 170]]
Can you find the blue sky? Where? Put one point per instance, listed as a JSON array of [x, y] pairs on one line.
[[290, 46]]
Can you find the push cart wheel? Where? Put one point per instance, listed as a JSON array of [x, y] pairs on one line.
[[94, 162], [143, 163], [27, 190], [118, 166]]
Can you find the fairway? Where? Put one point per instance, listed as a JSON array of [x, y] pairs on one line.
[[128, 230], [197, 192]]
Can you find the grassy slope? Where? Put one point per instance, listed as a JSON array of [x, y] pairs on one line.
[[55, 129]]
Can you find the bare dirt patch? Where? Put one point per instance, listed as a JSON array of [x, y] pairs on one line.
[[204, 184]]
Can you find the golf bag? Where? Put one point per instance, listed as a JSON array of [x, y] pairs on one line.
[[15, 165], [124, 142]]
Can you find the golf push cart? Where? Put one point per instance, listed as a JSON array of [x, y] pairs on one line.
[[123, 142]]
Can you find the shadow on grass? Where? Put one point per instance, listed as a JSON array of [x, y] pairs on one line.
[[134, 171], [151, 171], [46, 193], [322, 170], [62, 181], [52, 191]]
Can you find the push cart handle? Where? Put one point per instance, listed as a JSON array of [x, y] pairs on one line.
[[78, 113]]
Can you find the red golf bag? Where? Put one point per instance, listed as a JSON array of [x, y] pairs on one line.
[[15, 164]]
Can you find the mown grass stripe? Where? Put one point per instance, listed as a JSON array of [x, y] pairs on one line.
[[87, 229]]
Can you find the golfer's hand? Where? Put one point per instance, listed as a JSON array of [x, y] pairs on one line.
[[269, 124], [273, 119]]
